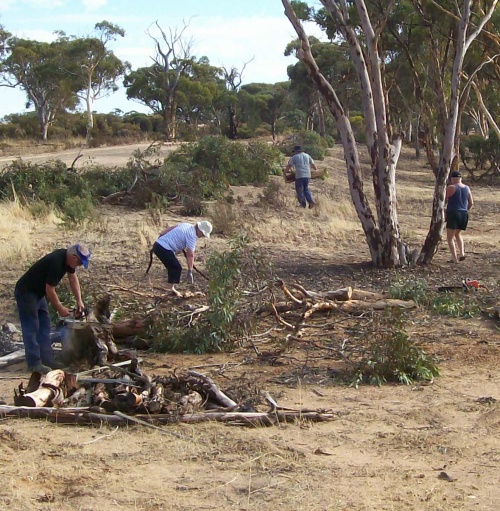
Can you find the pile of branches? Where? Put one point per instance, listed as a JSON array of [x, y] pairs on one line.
[[116, 395]]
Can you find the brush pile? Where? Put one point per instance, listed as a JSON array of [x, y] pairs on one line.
[[118, 396]]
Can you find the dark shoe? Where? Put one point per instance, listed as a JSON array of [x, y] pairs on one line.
[[39, 368], [53, 364], [461, 258], [311, 205]]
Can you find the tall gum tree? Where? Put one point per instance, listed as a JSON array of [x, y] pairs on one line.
[[95, 65], [382, 232], [38, 69]]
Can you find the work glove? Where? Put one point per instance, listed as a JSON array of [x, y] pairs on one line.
[[189, 277]]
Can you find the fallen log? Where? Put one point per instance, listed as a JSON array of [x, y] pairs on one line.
[[129, 328], [360, 294], [12, 358], [343, 294], [85, 416], [357, 305], [208, 385]]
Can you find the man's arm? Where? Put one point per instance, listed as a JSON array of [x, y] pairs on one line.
[[52, 297], [189, 259], [74, 284], [450, 190], [470, 201]]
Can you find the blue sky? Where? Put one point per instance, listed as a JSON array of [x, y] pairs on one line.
[[228, 32]]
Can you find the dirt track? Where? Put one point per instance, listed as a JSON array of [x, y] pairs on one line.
[[109, 156]]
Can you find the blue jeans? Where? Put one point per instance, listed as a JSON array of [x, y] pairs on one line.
[[304, 195], [35, 326]]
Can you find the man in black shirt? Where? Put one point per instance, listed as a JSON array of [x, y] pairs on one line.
[[33, 290]]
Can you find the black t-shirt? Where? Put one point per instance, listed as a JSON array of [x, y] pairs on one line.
[[48, 270]]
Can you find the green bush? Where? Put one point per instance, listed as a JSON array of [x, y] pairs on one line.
[[451, 304], [393, 357], [230, 317], [52, 184], [311, 143], [413, 289]]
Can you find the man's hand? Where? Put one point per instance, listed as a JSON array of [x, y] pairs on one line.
[[64, 312], [189, 277]]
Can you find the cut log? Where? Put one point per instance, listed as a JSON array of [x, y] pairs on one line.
[[53, 388], [343, 294], [360, 294], [129, 328], [12, 358], [358, 305]]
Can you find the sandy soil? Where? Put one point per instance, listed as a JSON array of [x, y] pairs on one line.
[[424, 447]]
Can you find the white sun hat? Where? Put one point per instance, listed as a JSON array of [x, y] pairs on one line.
[[205, 227]]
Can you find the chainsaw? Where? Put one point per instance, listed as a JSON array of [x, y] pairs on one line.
[[79, 319], [468, 285]]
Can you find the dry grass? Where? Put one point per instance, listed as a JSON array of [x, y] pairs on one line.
[[17, 225], [385, 448]]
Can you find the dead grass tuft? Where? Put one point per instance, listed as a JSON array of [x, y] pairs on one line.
[[16, 228]]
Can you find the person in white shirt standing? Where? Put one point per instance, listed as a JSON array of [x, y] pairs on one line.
[[172, 240]]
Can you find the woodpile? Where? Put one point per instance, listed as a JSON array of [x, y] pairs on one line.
[[119, 395], [306, 303]]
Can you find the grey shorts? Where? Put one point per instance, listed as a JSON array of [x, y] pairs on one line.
[[457, 220]]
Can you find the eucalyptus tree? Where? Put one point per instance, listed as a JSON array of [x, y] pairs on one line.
[[95, 66], [266, 103], [157, 86], [200, 87], [453, 71], [38, 68], [333, 60], [233, 79], [361, 30]]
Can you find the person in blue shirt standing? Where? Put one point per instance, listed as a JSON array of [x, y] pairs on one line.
[[459, 203], [302, 163]]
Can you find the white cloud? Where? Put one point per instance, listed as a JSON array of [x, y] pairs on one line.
[[47, 5], [37, 35], [5, 5], [94, 5]]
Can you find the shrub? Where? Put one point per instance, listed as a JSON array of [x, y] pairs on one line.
[[416, 290], [393, 357], [229, 318], [311, 143], [451, 304]]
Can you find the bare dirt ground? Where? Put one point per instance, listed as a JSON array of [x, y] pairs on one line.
[[423, 447]]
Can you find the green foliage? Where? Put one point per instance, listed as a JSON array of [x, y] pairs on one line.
[[414, 289], [480, 155], [229, 318], [204, 170], [51, 183], [392, 356], [459, 304], [454, 305], [311, 143], [358, 128]]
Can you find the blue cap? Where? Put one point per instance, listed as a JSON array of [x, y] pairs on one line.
[[84, 255]]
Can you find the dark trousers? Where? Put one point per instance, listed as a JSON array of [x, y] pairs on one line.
[[171, 263], [304, 195], [35, 326]]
